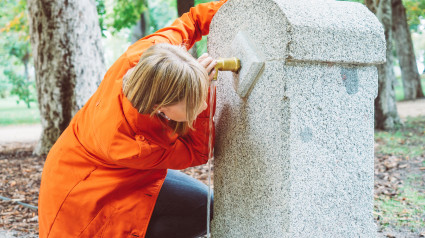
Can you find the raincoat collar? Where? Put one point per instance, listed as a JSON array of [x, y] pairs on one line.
[[153, 127]]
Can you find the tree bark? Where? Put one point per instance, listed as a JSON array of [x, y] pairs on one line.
[[68, 60], [405, 53], [372, 5], [184, 6], [386, 116]]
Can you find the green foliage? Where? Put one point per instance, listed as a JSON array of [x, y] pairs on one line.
[[116, 15], [415, 10], [15, 31], [101, 11], [162, 14], [4, 87], [15, 50], [11, 114], [399, 92], [24, 89], [201, 46], [126, 13]]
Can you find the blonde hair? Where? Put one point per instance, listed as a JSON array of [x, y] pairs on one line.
[[165, 75]]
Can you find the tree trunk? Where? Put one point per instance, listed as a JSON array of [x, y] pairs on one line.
[[27, 79], [141, 29], [68, 60], [184, 6], [25, 61], [372, 5], [386, 116], [405, 53]]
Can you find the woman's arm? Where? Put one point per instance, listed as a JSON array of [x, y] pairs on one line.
[[187, 29], [184, 152], [191, 26]]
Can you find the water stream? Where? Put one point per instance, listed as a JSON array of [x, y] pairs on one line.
[[210, 153]]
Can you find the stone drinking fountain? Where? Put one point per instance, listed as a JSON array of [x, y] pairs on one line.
[[294, 153]]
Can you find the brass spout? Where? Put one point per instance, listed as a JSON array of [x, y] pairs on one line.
[[227, 64]]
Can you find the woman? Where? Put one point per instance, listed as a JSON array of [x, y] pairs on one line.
[[104, 177]]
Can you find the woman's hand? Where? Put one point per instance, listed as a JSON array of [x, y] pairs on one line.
[[209, 64]]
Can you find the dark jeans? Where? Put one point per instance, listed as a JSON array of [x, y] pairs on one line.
[[181, 208]]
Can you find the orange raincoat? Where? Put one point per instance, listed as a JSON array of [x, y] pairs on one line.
[[103, 175]]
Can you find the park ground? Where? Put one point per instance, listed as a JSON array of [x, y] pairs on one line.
[[399, 196]]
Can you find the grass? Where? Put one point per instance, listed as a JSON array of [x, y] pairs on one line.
[[408, 141], [12, 113], [407, 208], [399, 93]]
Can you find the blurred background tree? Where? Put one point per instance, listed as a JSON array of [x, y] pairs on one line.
[[400, 19], [386, 116], [404, 45], [68, 60]]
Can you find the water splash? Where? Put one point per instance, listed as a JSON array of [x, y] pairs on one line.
[[210, 153]]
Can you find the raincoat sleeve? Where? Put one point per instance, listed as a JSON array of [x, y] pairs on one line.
[[187, 30], [191, 26]]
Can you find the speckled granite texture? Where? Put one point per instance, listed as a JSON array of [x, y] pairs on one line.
[[294, 155]]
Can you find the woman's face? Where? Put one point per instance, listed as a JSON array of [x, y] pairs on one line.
[[177, 112]]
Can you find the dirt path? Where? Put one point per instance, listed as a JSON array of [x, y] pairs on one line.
[[14, 234], [411, 108], [20, 133]]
